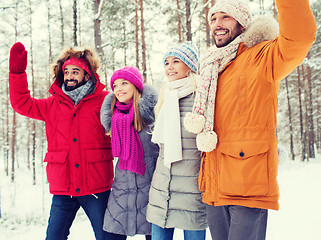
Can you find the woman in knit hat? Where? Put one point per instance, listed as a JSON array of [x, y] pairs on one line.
[[174, 198], [127, 115]]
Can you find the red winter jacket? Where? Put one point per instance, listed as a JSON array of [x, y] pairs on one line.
[[79, 157]]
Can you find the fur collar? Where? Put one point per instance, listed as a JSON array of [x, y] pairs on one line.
[[78, 52], [262, 28], [146, 106]]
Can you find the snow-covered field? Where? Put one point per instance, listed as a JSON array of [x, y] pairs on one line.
[[25, 207]]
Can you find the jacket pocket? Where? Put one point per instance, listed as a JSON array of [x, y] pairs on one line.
[[100, 171], [57, 172], [243, 169]]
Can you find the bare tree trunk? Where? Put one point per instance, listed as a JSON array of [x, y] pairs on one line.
[[207, 26], [33, 124], [310, 124], [301, 116], [7, 138], [14, 116], [260, 4], [42, 133], [75, 23], [136, 34], [124, 45], [143, 40], [318, 127], [79, 25], [49, 40], [188, 20], [4, 136], [29, 143], [49, 32], [290, 119], [151, 80], [274, 10], [97, 30], [33, 152], [179, 22], [13, 140], [305, 127], [62, 25], [13, 143]]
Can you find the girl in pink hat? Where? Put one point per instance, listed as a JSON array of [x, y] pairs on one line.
[[127, 115]]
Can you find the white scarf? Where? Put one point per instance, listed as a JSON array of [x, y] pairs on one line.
[[167, 126]]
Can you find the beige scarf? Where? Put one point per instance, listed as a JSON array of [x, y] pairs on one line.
[[201, 120]]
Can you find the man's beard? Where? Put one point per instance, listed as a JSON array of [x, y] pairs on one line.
[[79, 84], [225, 42], [232, 35]]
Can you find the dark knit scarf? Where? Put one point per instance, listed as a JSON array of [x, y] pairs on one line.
[[126, 144], [79, 93]]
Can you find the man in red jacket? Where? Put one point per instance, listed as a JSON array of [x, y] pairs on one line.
[[79, 157]]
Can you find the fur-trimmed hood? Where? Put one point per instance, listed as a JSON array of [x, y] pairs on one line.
[[262, 28], [146, 106], [77, 52]]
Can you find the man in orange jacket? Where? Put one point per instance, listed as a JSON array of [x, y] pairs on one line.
[[234, 114]]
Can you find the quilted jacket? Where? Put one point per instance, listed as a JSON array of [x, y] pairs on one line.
[[126, 208], [174, 198]]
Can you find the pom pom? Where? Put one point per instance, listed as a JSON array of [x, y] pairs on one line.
[[206, 141], [194, 123]]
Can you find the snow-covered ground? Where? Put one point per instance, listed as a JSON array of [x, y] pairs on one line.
[[25, 207]]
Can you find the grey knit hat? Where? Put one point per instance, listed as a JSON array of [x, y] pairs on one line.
[[238, 9]]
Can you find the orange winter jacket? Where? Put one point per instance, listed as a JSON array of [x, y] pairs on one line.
[[242, 170]]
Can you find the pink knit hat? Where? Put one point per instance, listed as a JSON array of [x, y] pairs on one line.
[[238, 9], [129, 73]]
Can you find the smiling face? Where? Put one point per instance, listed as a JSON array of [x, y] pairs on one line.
[[74, 77], [175, 69], [123, 90], [224, 28]]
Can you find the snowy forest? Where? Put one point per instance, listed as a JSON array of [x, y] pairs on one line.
[[134, 32]]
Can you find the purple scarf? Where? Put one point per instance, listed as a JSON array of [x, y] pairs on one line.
[[125, 141]]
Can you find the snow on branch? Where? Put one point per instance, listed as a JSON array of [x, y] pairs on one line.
[[100, 9]]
